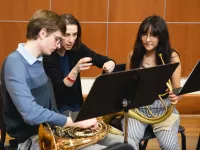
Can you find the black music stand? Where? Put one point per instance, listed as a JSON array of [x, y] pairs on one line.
[[192, 83], [125, 90]]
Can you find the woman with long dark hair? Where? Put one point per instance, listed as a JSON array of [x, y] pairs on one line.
[[152, 41], [63, 67]]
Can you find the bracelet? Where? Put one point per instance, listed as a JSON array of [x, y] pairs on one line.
[[70, 80]]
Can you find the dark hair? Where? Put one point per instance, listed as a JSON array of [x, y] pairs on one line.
[[69, 19], [159, 29], [44, 19]]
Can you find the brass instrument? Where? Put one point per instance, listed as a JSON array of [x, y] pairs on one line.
[[73, 138], [135, 113], [70, 138]]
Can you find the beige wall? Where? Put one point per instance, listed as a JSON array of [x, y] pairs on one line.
[[109, 26]]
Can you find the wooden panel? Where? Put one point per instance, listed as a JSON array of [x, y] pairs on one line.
[[185, 39], [21, 9], [11, 35], [183, 10], [120, 40], [189, 104], [84, 10], [134, 10], [94, 36]]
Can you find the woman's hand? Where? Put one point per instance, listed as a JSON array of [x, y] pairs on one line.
[[174, 98], [109, 66], [83, 64]]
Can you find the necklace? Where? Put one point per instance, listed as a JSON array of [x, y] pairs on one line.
[[147, 63]]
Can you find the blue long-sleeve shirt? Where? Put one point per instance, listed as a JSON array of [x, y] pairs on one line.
[[29, 96]]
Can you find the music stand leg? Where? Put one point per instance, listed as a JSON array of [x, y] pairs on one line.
[[125, 105]]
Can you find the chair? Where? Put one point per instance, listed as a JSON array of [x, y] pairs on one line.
[[12, 143], [150, 135], [2, 125], [120, 146]]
